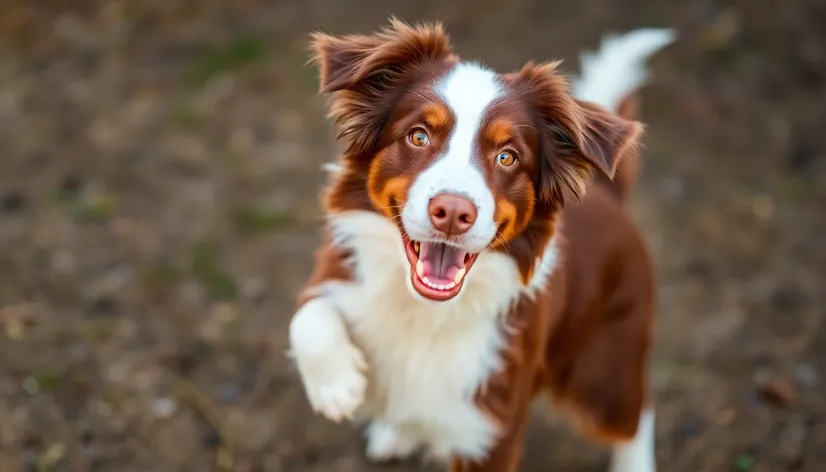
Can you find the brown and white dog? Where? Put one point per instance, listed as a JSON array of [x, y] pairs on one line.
[[471, 261]]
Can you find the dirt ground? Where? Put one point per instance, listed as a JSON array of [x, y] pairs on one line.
[[159, 169]]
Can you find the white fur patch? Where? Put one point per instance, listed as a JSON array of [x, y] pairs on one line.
[[468, 90], [545, 266], [426, 360], [637, 455]]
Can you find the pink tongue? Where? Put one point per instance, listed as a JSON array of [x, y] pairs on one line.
[[441, 262]]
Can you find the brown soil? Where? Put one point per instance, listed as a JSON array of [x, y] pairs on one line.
[[158, 209]]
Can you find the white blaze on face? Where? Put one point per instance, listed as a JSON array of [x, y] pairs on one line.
[[468, 90]]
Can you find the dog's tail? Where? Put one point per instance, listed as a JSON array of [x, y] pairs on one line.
[[611, 77]]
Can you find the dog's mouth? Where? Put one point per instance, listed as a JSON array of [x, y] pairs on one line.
[[438, 270]]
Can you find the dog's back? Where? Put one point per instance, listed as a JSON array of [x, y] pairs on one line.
[[602, 300]]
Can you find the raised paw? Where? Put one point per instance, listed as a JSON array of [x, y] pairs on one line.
[[335, 386], [331, 367]]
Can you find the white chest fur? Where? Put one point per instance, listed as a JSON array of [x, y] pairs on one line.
[[426, 360]]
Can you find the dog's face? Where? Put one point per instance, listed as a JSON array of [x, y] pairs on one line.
[[462, 159]]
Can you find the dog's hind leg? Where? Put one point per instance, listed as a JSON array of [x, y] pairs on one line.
[[637, 455]]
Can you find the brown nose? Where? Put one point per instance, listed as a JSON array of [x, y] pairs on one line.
[[451, 214]]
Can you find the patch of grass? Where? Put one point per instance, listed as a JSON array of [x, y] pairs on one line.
[[242, 51], [752, 185], [255, 218], [93, 209], [46, 379], [88, 209], [205, 267], [159, 276], [794, 189], [744, 462], [61, 196], [96, 330], [184, 115]]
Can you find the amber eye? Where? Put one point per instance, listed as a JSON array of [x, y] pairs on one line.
[[418, 138], [506, 159]]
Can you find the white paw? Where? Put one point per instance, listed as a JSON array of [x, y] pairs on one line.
[[331, 367], [386, 442], [335, 383]]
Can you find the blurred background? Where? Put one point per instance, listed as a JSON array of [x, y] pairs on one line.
[[159, 173]]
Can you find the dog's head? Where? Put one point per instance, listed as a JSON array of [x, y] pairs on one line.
[[463, 159]]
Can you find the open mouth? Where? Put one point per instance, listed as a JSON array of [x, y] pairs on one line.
[[438, 269]]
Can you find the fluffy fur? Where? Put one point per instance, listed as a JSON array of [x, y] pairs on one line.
[[454, 377]]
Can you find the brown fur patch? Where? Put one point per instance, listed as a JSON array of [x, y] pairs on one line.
[[499, 131], [388, 197], [436, 115]]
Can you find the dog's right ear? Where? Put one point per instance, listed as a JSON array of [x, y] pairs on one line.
[[340, 58], [362, 73]]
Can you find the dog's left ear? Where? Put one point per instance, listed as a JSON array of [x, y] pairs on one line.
[[576, 137], [606, 137]]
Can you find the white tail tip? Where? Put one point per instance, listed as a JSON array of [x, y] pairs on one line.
[[619, 66]]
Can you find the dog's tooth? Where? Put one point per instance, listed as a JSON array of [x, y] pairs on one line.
[[420, 268], [427, 282], [459, 276], [417, 247], [440, 287], [450, 285]]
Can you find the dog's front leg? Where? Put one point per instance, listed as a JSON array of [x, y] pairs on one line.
[[331, 366]]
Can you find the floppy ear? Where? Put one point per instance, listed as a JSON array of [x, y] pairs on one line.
[[363, 73], [606, 137], [576, 137]]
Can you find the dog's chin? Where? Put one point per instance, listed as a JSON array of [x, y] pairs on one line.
[[438, 270]]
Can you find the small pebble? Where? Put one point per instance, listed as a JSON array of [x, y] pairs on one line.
[[778, 392], [253, 288], [30, 386], [164, 407]]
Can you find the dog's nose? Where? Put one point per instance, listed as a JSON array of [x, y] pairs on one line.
[[451, 214]]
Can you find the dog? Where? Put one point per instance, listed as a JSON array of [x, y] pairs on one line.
[[477, 251]]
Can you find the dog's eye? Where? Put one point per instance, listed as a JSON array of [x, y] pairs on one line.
[[418, 138], [506, 158]]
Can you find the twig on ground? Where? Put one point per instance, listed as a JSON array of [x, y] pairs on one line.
[[210, 413]]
